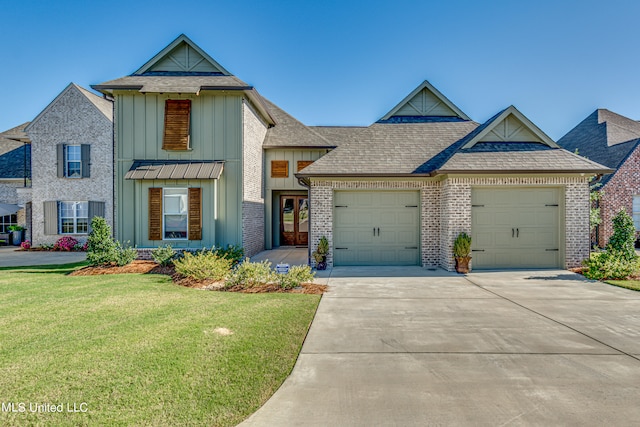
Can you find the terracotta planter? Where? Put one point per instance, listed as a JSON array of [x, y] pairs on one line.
[[462, 264]]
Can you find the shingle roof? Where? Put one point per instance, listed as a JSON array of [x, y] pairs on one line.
[[104, 105], [604, 137], [12, 162], [389, 149], [517, 157], [13, 138], [172, 84], [289, 132], [405, 149]]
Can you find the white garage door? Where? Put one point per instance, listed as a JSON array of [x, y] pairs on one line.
[[515, 228], [376, 228]]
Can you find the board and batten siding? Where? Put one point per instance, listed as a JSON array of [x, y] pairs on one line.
[[216, 134], [278, 186]]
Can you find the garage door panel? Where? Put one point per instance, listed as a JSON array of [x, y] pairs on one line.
[[516, 228], [376, 227]]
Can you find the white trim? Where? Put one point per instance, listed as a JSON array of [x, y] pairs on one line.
[[186, 190], [435, 92]]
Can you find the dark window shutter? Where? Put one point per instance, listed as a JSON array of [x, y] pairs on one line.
[[279, 168], [95, 209], [155, 214], [60, 158], [50, 217], [85, 152], [177, 113], [195, 214]]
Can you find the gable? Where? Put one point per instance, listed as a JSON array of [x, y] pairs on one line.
[[425, 102], [182, 57], [509, 126], [511, 129]]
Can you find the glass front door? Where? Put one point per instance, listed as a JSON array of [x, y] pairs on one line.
[[294, 220]]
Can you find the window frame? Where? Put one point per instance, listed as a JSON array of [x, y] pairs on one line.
[[165, 213], [76, 206], [635, 210], [67, 161], [5, 224]]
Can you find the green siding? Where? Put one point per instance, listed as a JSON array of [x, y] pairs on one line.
[[216, 134], [277, 186]]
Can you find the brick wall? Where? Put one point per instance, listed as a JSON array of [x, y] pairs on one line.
[[618, 194], [446, 211], [70, 119], [254, 131]]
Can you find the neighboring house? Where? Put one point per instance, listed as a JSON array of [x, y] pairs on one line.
[[72, 156], [612, 140], [201, 159], [15, 167]]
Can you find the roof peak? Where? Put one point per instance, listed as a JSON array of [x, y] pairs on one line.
[[182, 57], [425, 101]]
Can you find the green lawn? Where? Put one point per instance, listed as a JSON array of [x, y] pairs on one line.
[[627, 284], [139, 350]]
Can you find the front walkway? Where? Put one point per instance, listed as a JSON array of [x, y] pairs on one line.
[[412, 347], [284, 254], [10, 256]]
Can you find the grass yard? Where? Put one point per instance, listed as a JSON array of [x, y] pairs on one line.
[[627, 284], [135, 349]]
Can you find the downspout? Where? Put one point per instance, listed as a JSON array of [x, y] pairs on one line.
[[305, 183]]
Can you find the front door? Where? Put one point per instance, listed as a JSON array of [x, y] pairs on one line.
[[294, 220]]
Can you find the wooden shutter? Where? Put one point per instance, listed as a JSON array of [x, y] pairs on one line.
[[60, 160], [279, 168], [85, 153], [303, 164], [177, 113], [195, 214], [155, 214], [50, 217], [95, 209]]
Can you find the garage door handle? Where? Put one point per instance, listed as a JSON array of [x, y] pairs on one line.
[[378, 231], [374, 231], [477, 250], [517, 232], [512, 232], [411, 247], [551, 250], [341, 248]]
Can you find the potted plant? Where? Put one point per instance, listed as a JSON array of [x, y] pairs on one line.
[[461, 251], [16, 234], [320, 254]]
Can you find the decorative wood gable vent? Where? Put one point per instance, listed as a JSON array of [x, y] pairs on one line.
[[177, 113], [423, 102], [510, 126]]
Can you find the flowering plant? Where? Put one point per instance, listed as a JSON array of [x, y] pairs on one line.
[[66, 243], [26, 245]]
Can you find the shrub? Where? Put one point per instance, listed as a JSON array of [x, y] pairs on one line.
[[297, 275], [124, 255], [204, 265], [624, 236], [101, 248], [163, 255], [231, 252], [611, 264], [66, 243], [26, 245], [249, 274], [462, 245]]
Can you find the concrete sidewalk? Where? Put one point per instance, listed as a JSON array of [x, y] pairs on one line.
[[437, 348], [10, 256]]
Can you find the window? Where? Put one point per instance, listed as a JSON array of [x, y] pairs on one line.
[[74, 160], [73, 218], [175, 215], [177, 114], [303, 164], [636, 212], [7, 221]]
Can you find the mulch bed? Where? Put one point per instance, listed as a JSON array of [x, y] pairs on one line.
[[150, 267]]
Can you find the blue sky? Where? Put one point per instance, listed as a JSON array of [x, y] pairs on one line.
[[342, 62]]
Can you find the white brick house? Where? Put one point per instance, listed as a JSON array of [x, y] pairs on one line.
[[72, 165]]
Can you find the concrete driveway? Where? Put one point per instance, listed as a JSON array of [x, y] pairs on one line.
[[10, 256], [412, 347]]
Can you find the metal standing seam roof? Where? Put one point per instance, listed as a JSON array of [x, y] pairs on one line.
[[161, 169]]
